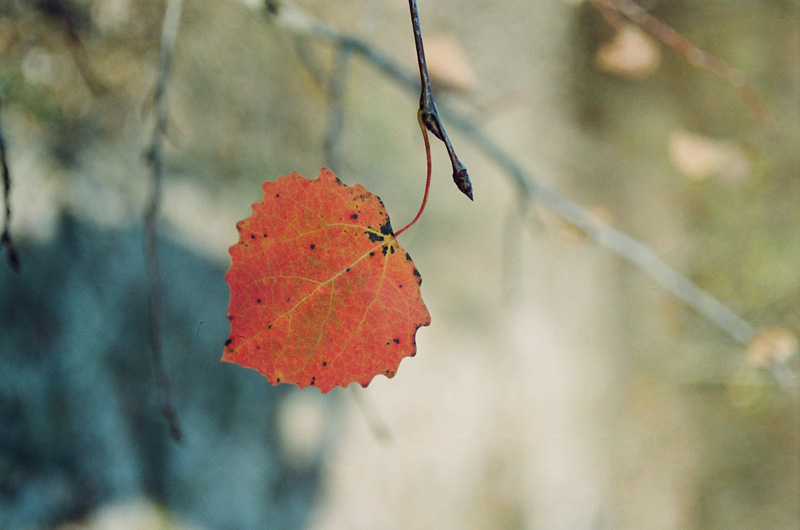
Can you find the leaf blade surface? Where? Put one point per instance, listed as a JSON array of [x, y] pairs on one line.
[[322, 294]]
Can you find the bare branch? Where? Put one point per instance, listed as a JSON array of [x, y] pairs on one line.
[[5, 239], [619, 242], [612, 9], [169, 34]]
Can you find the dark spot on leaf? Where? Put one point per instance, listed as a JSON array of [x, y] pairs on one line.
[[313, 380], [392, 249], [289, 299], [278, 380], [324, 363], [373, 237], [400, 286], [277, 194], [396, 341], [386, 229], [269, 327], [354, 216], [258, 300], [417, 274], [228, 341], [313, 246], [408, 257], [264, 235], [347, 269], [252, 236], [371, 254], [384, 249], [230, 317]]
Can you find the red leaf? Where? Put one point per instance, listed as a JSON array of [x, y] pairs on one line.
[[322, 293]]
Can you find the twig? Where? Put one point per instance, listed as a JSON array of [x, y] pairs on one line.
[[5, 239], [67, 17], [611, 9], [336, 110], [169, 34], [428, 111], [612, 238], [615, 240]]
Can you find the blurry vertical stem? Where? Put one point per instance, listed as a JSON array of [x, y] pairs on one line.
[[169, 33], [336, 84], [5, 240], [430, 114]]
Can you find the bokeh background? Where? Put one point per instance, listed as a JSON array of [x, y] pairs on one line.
[[558, 387]]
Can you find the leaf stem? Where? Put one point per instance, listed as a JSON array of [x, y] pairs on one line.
[[427, 177], [429, 114]]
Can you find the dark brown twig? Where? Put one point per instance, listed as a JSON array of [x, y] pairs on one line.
[[430, 114], [612, 9], [156, 306], [5, 239]]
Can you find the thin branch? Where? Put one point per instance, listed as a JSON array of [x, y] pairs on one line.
[[336, 107], [614, 239], [428, 111], [66, 16], [5, 239], [612, 9], [154, 157]]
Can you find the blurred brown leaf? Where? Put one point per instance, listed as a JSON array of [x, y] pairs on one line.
[[771, 345], [448, 64], [700, 157], [632, 53]]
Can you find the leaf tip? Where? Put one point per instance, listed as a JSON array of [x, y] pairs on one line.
[[326, 174]]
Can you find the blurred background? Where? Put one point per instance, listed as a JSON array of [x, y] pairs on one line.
[[558, 386]]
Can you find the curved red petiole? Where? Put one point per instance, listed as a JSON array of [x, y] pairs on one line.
[[427, 177]]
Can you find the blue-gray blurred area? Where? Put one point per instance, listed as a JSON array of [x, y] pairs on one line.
[[79, 416]]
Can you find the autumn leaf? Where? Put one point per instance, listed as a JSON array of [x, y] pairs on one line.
[[322, 294]]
